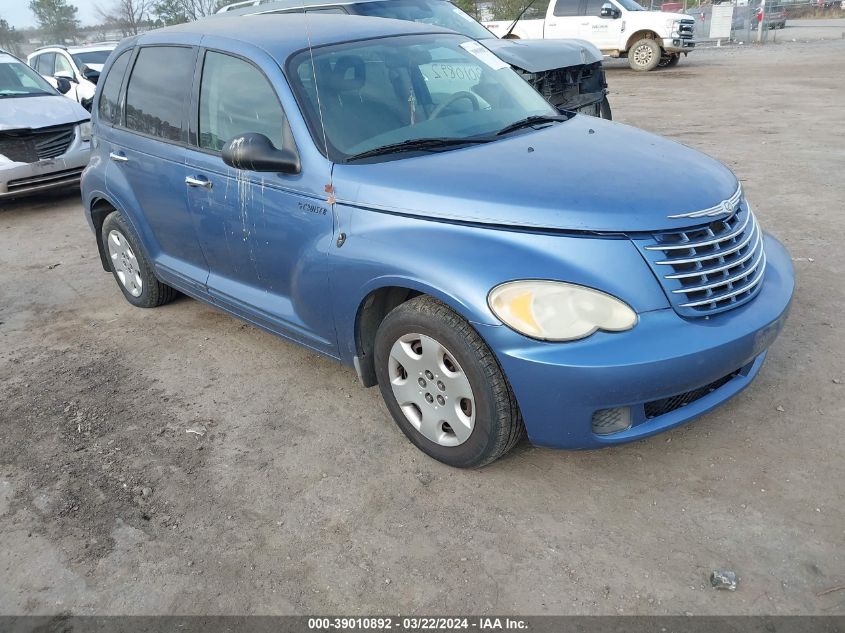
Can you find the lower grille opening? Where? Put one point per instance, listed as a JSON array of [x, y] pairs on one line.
[[672, 403]]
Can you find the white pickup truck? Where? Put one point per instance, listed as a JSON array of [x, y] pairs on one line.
[[620, 28]]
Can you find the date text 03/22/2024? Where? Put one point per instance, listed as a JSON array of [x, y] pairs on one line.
[[411, 624]]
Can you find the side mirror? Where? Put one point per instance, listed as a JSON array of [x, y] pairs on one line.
[[255, 152], [62, 85], [63, 74], [609, 11], [90, 74]]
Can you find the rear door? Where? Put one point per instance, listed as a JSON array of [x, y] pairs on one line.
[[565, 20], [266, 236], [147, 162]]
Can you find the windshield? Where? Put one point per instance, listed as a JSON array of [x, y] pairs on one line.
[[434, 12], [19, 80], [91, 57], [396, 89], [630, 5]]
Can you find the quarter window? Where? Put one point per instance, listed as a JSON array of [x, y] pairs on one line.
[[236, 98], [109, 108], [157, 91]]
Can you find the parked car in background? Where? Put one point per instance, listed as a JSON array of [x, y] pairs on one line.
[[568, 73], [620, 28], [80, 65], [773, 18], [491, 264], [44, 137]]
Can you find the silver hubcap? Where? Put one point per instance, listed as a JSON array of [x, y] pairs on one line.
[[124, 263], [432, 389], [643, 55]]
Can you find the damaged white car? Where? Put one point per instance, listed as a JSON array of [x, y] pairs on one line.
[[45, 138], [567, 72]]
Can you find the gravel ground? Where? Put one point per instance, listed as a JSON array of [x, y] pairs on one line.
[[299, 495]]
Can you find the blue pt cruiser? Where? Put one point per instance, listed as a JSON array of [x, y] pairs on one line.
[[395, 197]]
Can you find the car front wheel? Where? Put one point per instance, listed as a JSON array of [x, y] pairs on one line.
[[443, 386], [644, 55]]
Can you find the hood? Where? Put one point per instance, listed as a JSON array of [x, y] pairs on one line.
[[584, 174], [650, 15], [36, 112], [536, 56]]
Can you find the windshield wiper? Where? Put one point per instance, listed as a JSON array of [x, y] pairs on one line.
[[416, 145], [532, 120]]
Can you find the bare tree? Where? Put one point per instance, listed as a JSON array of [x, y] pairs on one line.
[[129, 16]]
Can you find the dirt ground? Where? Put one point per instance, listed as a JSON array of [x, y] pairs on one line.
[[303, 497]]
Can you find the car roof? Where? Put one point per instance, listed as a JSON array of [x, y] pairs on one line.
[[282, 35], [8, 57], [283, 5]]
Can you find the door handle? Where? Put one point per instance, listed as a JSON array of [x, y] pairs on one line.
[[118, 158], [198, 182]]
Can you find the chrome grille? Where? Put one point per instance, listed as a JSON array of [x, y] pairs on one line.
[[53, 142], [29, 146], [686, 29], [710, 268]]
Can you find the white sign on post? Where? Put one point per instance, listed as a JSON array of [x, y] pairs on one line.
[[721, 21]]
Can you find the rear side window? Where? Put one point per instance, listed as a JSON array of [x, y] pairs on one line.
[[158, 86], [568, 8], [109, 107], [236, 98]]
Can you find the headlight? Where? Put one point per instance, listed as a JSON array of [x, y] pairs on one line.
[[558, 311], [672, 25], [85, 131]]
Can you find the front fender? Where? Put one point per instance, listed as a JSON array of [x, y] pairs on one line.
[[460, 263]]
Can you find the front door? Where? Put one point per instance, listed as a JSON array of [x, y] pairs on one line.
[[603, 32], [266, 236]]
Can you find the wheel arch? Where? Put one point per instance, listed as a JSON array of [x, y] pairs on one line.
[[376, 303], [643, 34], [99, 209]]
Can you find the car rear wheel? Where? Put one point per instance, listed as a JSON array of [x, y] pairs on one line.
[[443, 386], [130, 267], [644, 55], [667, 61]]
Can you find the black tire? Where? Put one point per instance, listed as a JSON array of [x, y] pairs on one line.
[[644, 55], [498, 424], [153, 293], [604, 109], [670, 60]]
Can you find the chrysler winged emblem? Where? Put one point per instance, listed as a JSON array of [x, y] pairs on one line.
[[724, 207]]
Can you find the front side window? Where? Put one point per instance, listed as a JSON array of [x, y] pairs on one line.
[[109, 107], [158, 87], [63, 66], [45, 64], [370, 94], [235, 99], [19, 80]]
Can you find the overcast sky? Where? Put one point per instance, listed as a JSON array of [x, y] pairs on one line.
[[17, 13]]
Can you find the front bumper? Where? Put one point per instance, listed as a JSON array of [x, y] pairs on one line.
[[678, 45], [19, 179], [559, 386]]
